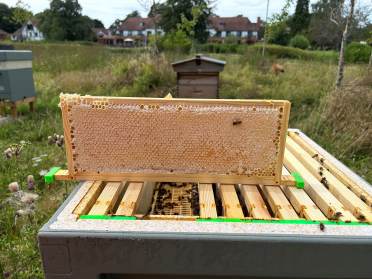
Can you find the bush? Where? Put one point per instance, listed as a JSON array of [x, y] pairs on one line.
[[356, 52], [175, 41], [299, 41]]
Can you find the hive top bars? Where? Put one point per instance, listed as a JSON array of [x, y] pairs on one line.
[[236, 141]]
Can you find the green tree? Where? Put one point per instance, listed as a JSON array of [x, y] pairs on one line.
[[175, 10], [277, 30], [301, 18], [6, 21], [97, 23], [135, 13], [64, 21], [21, 13]]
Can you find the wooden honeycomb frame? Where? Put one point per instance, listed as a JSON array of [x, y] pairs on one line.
[[153, 139]]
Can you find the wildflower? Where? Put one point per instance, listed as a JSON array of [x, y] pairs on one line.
[[29, 198], [8, 153], [56, 139], [13, 187], [30, 182]]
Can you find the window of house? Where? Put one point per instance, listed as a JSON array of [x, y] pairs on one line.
[[30, 27], [140, 33], [228, 33], [36, 34], [129, 33], [239, 33], [218, 34]]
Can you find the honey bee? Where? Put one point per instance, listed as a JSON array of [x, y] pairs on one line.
[[322, 227]]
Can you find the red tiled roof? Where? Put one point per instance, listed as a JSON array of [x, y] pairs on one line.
[[237, 23], [137, 24]]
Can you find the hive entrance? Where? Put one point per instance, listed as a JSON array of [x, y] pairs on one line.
[[173, 140]]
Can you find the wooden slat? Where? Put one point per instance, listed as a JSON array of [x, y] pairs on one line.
[[348, 198], [327, 203], [302, 203], [130, 199], [90, 197], [230, 201], [195, 178], [206, 201], [279, 203], [323, 160], [254, 202], [107, 198]]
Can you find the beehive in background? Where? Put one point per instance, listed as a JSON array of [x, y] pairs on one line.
[[16, 81], [198, 77]]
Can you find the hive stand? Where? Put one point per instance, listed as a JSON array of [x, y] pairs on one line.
[[14, 104]]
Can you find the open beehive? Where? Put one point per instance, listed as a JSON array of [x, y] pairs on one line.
[[200, 159], [175, 188]]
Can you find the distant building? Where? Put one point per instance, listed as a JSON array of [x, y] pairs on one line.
[[28, 32], [134, 31], [3, 35], [238, 26], [139, 26]]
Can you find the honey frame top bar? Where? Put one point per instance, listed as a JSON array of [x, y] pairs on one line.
[[203, 140]]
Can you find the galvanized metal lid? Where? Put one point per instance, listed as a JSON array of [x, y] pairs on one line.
[[15, 55]]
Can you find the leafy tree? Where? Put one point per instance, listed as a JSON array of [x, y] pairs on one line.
[[328, 20], [6, 22], [115, 26], [21, 13], [323, 32], [301, 18], [156, 9], [175, 10], [97, 23], [277, 31], [133, 14], [64, 21]]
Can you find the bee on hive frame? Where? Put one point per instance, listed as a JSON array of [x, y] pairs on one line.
[[277, 68]]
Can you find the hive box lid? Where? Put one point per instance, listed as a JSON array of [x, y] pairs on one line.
[[15, 55]]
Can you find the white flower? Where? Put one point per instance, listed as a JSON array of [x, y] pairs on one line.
[[13, 187]]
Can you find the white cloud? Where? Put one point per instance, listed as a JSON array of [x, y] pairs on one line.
[[109, 10]]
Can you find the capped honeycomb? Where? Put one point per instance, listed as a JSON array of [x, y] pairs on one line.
[[137, 135]]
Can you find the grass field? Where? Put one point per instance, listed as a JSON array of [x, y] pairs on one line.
[[339, 121]]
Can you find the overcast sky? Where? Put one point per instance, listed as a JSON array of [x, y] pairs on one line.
[[109, 10]]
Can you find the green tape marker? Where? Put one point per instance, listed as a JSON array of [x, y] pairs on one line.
[[300, 183], [49, 177]]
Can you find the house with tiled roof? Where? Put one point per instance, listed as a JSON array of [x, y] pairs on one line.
[[28, 32], [238, 26], [139, 26]]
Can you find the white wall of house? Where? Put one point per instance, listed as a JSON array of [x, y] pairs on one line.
[[32, 34], [223, 34], [29, 34], [212, 32], [145, 32]]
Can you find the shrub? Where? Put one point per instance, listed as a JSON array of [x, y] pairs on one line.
[[356, 52], [300, 41], [175, 41]]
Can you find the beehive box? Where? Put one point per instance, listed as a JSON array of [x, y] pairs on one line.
[[128, 227], [16, 81]]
